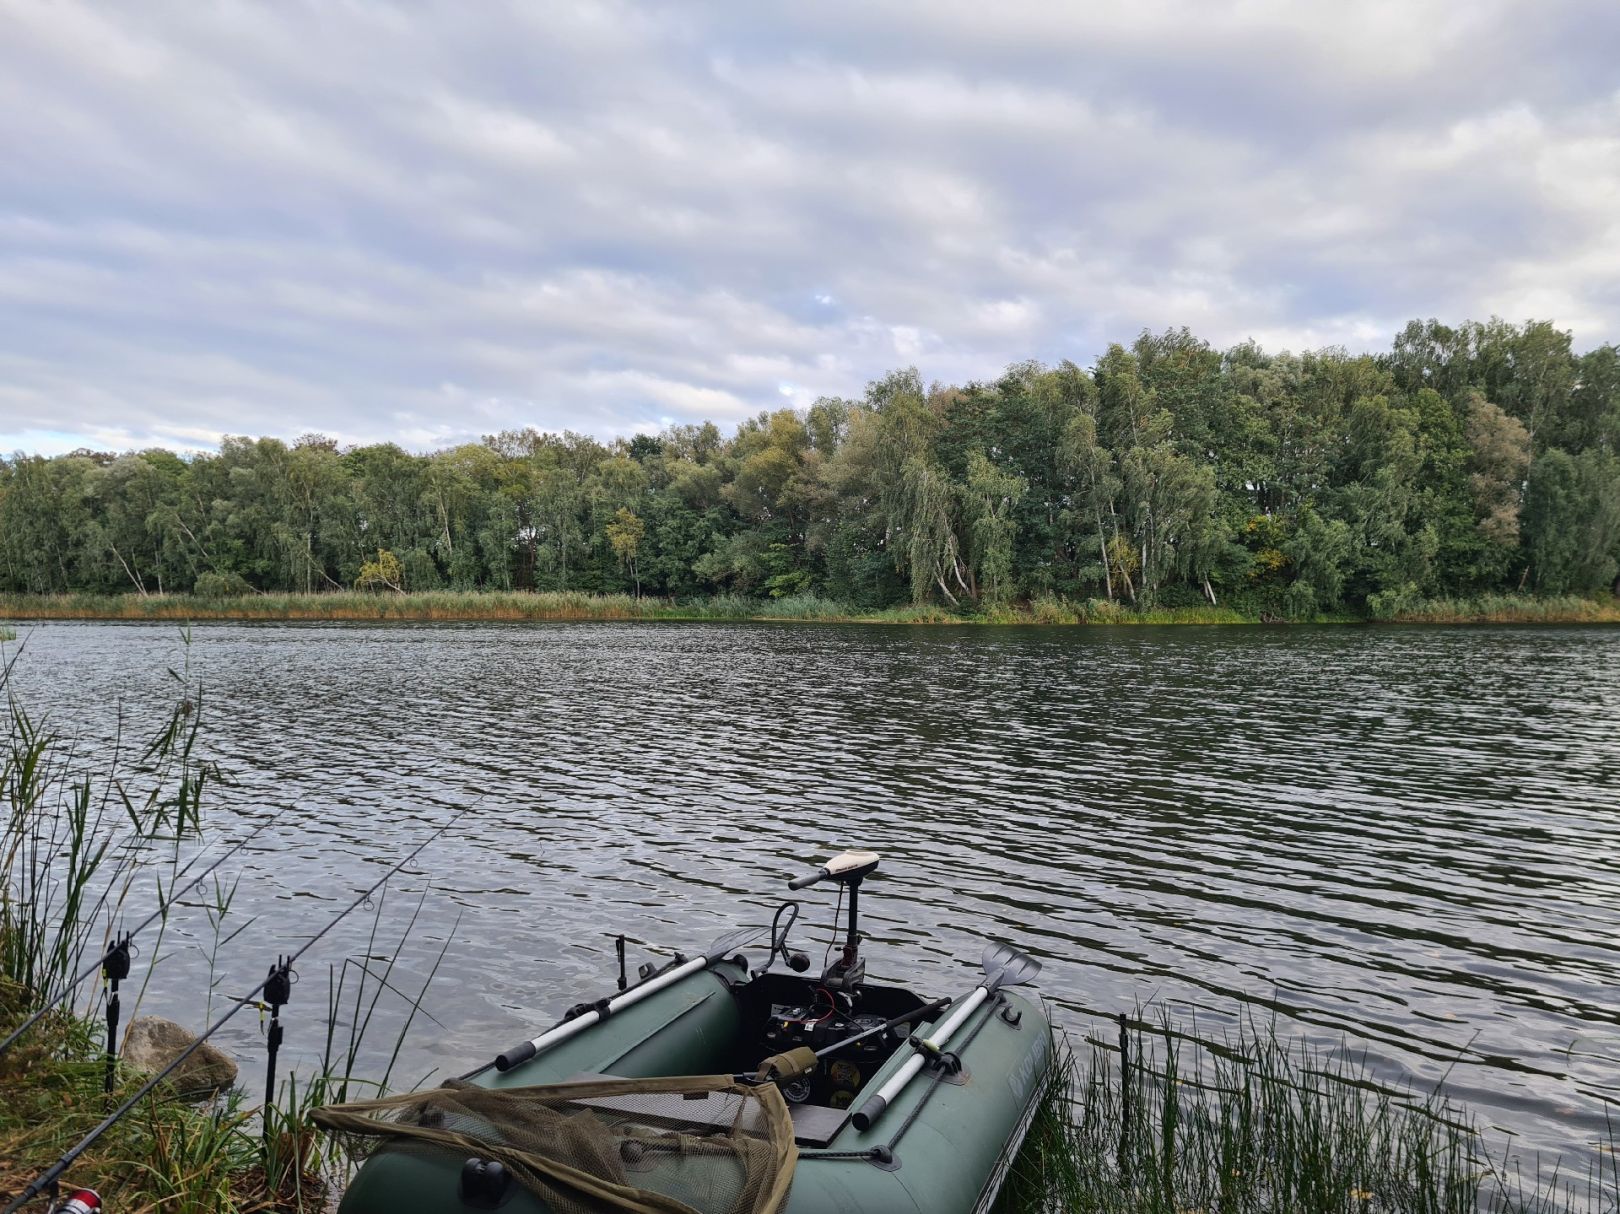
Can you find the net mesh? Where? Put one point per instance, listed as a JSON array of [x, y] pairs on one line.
[[686, 1145]]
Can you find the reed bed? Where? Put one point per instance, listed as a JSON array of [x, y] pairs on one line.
[[475, 606], [1513, 609], [520, 606], [1161, 1122]]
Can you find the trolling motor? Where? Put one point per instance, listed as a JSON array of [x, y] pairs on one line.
[[847, 869]]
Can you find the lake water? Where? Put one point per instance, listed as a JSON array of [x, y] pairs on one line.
[[1407, 840]]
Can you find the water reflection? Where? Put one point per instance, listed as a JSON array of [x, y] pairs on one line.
[[1403, 839]]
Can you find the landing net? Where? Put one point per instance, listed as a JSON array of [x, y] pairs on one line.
[[684, 1145]]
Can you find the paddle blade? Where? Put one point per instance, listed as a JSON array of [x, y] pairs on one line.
[[1006, 966], [731, 942]]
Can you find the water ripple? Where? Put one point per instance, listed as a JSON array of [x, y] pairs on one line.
[[1404, 840]]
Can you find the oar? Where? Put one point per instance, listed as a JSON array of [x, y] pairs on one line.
[[717, 951], [1003, 966], [779, 1068], [926, 1009]]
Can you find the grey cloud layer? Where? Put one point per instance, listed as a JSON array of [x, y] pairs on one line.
[[430, 222]]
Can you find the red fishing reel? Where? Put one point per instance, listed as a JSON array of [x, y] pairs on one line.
[[83, 1201]]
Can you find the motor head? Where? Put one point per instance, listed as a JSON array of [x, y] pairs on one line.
[[845, 867]]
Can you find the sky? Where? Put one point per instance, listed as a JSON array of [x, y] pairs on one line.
[[427, 222]]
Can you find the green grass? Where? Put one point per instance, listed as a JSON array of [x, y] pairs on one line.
[[519, 606], [165, 1156], [1249, 1124]]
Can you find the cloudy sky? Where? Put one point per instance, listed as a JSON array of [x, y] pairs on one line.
[[427, 222]]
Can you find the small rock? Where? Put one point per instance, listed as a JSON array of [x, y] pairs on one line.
[[153, 1043]]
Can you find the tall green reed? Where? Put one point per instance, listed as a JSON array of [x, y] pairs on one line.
[[83, 827], [1163, 1122]]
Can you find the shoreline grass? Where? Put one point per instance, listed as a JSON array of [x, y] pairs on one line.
[[448, 606], [1512, 609], [1167, 1123], [78, 829]]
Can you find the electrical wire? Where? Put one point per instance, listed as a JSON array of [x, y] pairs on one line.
[[826, 957]]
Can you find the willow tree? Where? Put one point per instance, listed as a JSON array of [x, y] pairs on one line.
[[927, 503], [990, 497]]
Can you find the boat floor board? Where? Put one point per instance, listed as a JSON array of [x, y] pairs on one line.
[[816, 1125]]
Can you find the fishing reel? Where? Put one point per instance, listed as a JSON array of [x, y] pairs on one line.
[[81, 1201]]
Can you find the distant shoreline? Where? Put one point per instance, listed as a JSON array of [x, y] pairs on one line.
[[518, 607]]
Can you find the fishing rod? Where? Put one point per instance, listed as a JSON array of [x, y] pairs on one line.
[[114, 963], [779, 1068], [48, 1178]]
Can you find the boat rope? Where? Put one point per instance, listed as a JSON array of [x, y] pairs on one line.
[[47, 1180]]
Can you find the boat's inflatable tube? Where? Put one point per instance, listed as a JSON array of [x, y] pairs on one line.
[[952, 1139]]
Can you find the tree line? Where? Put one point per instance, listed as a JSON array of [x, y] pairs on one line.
[[1469, 459]]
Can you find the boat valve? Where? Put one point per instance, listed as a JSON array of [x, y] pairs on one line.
[[484, 1183]]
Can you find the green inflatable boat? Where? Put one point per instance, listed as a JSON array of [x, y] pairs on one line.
[[710, 1085]]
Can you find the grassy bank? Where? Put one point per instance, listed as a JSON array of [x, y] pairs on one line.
[[494, 605], [166, 1156], [516, 606]]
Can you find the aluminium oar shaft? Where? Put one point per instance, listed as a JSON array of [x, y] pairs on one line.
[[51, 1175], [873, 1108], [569, 1028], [716, 952]]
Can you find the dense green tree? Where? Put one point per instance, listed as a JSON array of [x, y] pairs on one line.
[[1476, 457], [1572, 521]]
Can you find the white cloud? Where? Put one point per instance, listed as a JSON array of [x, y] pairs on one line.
[[429, 223]]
